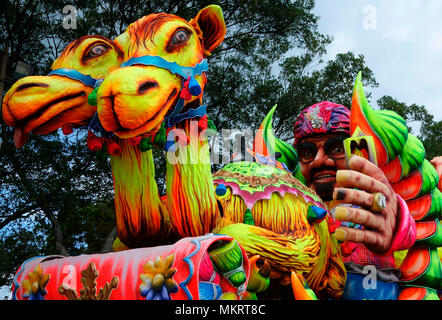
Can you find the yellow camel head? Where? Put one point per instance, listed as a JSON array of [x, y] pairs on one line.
[[42, 104], [161, 52]]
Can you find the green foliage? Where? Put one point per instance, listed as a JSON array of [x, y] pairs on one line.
[[57, 190], [18, 245], [303, 87]]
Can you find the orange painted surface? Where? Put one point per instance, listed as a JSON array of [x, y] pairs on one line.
[[393, 170], [425, 229], [415, 263], [409, 187], [414, 293], [419, 207]]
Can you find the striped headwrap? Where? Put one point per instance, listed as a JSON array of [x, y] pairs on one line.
[[323, 117]]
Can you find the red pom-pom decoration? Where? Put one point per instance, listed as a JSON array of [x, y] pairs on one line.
[[94, 143], [113, 148], [134, 141], [67, 130], [347, 248], [202, 123], [185, 94], [185, 91]]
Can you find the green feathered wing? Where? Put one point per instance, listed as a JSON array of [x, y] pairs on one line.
[[279, 149], [401, 156]]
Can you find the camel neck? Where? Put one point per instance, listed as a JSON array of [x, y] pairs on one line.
[[142, 218], [190, 190]]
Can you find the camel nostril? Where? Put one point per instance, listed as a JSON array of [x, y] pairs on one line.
[[145, 86]]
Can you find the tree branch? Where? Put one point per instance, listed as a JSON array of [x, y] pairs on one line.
[[107, 246]]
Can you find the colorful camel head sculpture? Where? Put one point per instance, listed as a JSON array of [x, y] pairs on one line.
[[42, 104], [157, 79], [161, 52]]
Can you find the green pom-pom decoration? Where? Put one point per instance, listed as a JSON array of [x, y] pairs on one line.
[[160, 138], [145, 145], [211, 125], [92, 97]]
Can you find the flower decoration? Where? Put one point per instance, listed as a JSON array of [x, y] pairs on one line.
[[35, 284], [157, 282]]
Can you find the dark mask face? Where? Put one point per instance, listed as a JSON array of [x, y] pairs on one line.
[[320, 157]]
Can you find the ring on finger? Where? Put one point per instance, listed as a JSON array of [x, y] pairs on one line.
[[379, 202]]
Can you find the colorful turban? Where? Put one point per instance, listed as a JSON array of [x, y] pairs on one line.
[[323, 117]]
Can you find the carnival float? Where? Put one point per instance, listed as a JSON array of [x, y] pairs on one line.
[[252, 230]]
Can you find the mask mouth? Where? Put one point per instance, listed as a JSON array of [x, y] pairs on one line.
[[324, 176], [323, 173], [45, 107], [323, 181]]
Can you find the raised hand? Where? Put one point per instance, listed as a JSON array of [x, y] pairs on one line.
[[377, 204]]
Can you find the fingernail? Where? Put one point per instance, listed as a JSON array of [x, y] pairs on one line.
[[340, 234], [340, 194], [341, 213], [342, 175]]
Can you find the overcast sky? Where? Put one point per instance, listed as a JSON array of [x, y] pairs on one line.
[[400, 39]]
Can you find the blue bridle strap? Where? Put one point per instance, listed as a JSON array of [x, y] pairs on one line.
[[185, 73], [156, 61], [173, 67], [87, 80], [96, 127], [201, 111]]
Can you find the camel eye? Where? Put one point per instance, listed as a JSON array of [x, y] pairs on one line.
[[180, 37], [97, 51]]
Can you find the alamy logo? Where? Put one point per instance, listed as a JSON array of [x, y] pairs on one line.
[[70, 280], [370, 17], [70, 21], [370, 280]]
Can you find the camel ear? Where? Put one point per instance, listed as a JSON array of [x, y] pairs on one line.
[[209, 23]]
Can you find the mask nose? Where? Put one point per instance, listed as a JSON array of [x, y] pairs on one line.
[[322, 159], [320, 155]]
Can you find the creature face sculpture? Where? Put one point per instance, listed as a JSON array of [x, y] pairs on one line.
[[42, 104], [158, 49]]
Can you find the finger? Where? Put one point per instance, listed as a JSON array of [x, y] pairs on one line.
[[360, 216], [367, 237], [437, 163], [356, 197], [363, 165], [436, 160], [354, 179]]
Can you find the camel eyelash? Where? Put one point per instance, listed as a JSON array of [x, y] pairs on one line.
[[175, 42], [87, 51]]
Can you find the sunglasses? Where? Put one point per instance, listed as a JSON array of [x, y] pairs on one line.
[[333, 148]]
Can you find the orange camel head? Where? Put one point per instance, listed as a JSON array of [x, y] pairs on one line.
[[161, 53], [42, 104]]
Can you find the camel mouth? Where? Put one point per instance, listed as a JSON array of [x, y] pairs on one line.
[[148, 127], [32, 122], [31, 85], [51, 116]]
